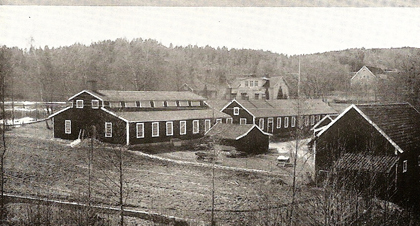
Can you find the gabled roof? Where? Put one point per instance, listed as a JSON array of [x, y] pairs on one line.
[[323, 122], [370, 163], [398, 123], [117, 95], [217, 104], [232, 131], [152, 116], [285, 107], [364, 68]]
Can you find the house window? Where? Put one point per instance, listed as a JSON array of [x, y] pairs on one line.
[[246, 83], [312, 119], [251, 83], [130, 104], [318, 118], [115, 104], [293, 122], [155, 129], [140, 130], [196, 128], [71, 104], [242, 121], [229, 120], [404, 166], [183, 103], [219, 120], [257, 96], [278, 122], [286, 122], [256, 83], [195, 103], [67, 126], [182, 127], [79, 103], [261, 123], [95, 104], [145, 104], [169, 128], [306, 120], [108, 129], [207, 125], [171, 103], [158, 103], [270, 124], [235, 111]]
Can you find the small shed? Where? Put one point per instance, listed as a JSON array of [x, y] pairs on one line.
[[246, 138]]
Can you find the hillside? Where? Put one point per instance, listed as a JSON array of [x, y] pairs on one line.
[[54, 74]]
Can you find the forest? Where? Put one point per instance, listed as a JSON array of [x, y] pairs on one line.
[[54, 74]]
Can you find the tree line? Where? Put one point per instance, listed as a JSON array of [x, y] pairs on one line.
[[54, 74]]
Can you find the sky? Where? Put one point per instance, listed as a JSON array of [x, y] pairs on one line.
[[287, 30]]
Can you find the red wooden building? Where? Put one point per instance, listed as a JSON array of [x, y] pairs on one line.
[[375, 147], [278, 117], [135, 117]]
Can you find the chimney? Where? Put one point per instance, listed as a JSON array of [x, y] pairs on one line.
[[92, 85]]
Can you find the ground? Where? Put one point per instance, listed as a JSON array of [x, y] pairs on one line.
[[39, 165]]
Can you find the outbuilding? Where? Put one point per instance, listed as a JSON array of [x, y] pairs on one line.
[[246, 138]]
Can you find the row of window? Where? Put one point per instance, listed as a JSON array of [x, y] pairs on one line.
[[251, 83], [141, 104], [243, 121], [155, 127]]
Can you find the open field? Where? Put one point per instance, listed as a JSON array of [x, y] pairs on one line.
[[38, 165]]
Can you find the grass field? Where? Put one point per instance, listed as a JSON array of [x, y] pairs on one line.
[[38, 165]]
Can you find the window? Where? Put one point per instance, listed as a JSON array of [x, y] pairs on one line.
[[195, 103], [182, 127], [196, 128], [404, 166], [306, 120], [270, 124], [183, 103], [71, 104], [312, 119], [158, 103], [145, 104], [79, 103], [246, 83], [171, 103], [108, 129], [130, 104], [169, 128], [261, 123], [115, 104], [293, 123], [229, 120], [242, 121], [251, 83], [95, 104], [286, 122], [235, 111], [207, 125], [279, 122], [257, 96], [67, 126], [318, 118], [219, 120], [155, 129], [140, 130], [256, 83]]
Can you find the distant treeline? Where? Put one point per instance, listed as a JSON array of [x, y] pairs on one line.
[[54, 74]]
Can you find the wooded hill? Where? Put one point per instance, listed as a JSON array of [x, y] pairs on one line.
[[54, 74]]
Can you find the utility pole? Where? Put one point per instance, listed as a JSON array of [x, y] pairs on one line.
[[296, 149]]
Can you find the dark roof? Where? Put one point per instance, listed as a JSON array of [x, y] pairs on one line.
[[217, 104], [359, 162], [232, 131], [287, 107], [400, 122], [152, 116], [116, 95], [323, 122]]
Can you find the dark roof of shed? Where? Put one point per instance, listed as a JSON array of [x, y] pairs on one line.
[[153, 116], [288, 107], [232, 131], [117, 95], [359, 162], [401, 122]]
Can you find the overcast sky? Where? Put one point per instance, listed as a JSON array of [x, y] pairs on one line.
[[285, 30]]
